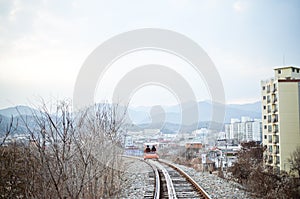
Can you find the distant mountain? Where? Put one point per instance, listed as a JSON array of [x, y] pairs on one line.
[[252, 110], [4, 121], [17, 111], [173, 114], [169, 119], [17, 115], [17, 126], [173, 128], [251, 107]]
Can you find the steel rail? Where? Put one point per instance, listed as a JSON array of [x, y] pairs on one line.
[[156, 166], [200, 190], [157, 184], [169, 182]]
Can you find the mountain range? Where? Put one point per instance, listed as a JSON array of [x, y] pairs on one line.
[[142, 114], [167, 118]]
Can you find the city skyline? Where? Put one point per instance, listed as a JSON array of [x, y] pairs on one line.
[[43, 44]]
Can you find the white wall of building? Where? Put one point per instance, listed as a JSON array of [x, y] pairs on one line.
[[245, 129]]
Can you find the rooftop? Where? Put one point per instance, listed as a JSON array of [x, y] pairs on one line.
[[285, 67]]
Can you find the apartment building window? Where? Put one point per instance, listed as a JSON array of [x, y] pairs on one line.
[[279, 71], [277, 160], [275, 139], [264, 88], [265, 117], [270, 138], [264, 107], [249, 128], [297, 70], [269, 109], [270, 149], [270, 161], [265, 127], [275, 118], [274, 98], [275, 128], [268, 99], [275, 108], [276, 149], [269, 119], [274, 87], [293, 69], [269, 128], [264, 97], [265, 137]]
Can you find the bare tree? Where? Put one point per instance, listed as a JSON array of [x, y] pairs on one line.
[[9, 129], [70, 155], [295, 161], [249, 158], [263, 181]]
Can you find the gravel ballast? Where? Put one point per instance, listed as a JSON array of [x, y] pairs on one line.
[[136, 182]]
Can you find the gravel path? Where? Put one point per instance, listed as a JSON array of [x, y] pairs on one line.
[[136, 182]]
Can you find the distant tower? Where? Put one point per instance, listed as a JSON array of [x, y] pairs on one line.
[[281, 116]]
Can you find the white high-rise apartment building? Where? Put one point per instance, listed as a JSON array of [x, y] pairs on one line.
[[243, 130], [281, 116]]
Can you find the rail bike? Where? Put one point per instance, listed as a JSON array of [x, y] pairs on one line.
[[151, 153]]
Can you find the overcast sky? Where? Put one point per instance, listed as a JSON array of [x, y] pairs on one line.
[[43, 43]]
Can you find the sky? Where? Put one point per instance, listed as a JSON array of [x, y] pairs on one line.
[[44, 43]]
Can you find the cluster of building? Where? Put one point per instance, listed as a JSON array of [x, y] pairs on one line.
[[139, 139], [243, 130], [219, 149], [278, 129]]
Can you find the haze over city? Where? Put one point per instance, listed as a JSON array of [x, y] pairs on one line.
[[43, 44]]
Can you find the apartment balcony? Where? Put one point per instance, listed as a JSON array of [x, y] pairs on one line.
[[274, 100], [274, 120], [269, 121], [275, 131], [269, 141], [268, 101], [270, 150], [269, 111], [269, 130], [277, 160], [275, 141], [274, 90]]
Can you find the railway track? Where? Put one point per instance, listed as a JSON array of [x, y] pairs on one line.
[[172, 182]]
